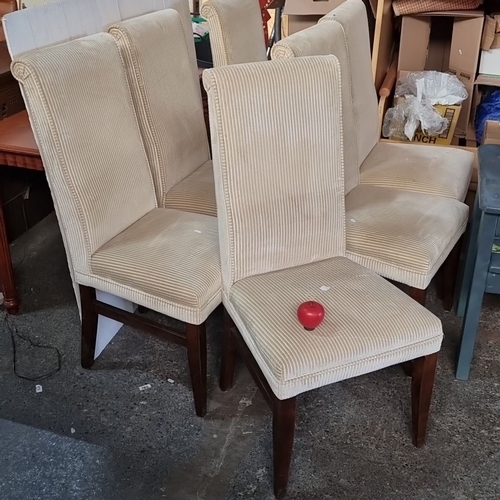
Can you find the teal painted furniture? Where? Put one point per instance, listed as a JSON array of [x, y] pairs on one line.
[[482, 265]]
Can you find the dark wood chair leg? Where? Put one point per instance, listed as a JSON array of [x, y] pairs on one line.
[[422, 383], [408, 368], [228, 361], [197, 357], [7, 283], [450, 272], [283, 416], [283, 437], [89, 325], [418, 295]]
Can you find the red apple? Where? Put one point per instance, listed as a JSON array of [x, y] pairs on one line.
[[310, 314]]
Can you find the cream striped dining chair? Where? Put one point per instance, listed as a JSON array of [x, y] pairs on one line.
[[167, 98], [282, 237], [404, 203], [116, 236], [236, 34]]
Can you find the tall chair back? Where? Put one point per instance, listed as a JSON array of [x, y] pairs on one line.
[[166, 95], [344, 33], [296, 216], [236, 34], [352, 16], [100, 184]]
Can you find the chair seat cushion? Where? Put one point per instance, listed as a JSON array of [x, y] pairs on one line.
[[401, 235], [425, 169], [167, 261], [369, 324], [196, 193]]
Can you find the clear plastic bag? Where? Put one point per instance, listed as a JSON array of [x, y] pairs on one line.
[[418, 93], [433, 87], [404, 119]]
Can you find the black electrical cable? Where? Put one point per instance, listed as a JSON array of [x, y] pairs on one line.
[[13, 334]]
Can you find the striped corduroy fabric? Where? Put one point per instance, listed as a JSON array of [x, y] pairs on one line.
[[351, 15], [89, 140], [167, 261], [277, 154], [166, 95], [196, 193], [278, 168], [325, 39], [236, 34], [369, 324], [401, 235], [102, 187], [384, 239], [439, 171], [397, 166]]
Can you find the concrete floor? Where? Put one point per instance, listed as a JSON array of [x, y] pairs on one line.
[[94, 435]]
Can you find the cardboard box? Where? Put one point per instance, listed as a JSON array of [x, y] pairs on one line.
[[491, 33], [490, 46], [310, 7], [299, 23], [303, 14], [444, 41], [491, 132], [450, 112]]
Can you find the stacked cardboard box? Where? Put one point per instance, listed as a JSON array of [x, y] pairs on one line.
[[489, 69], [302, 14], [448, 42], [490, 46]]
